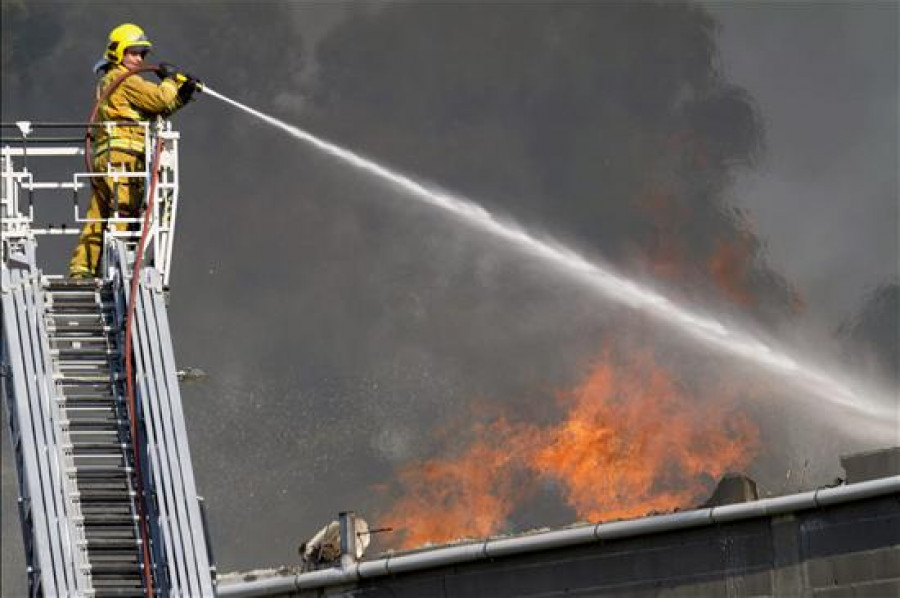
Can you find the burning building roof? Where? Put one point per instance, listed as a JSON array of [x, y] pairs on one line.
[[839, 538]]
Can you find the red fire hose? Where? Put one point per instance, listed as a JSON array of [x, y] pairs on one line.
[[129, 318]]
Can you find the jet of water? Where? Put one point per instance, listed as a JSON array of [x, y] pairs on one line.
[[617, 288]]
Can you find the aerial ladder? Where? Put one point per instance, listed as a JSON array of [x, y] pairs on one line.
[[107, 497]]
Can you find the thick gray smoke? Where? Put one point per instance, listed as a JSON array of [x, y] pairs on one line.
[[340, 326], [870, 335]]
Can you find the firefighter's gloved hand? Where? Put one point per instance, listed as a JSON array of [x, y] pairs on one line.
[[167, 70], [188, 89]]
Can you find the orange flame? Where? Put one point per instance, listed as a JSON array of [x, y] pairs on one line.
[[470, 495], [632, 441], [663, 249], [729, 267]]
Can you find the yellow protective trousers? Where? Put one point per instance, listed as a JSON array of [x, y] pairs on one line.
[[123, 194]]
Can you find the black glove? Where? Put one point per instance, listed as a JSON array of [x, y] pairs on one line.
[[166, 70], [188, 89]]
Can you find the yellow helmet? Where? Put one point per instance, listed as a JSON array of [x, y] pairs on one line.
[[123, 37]]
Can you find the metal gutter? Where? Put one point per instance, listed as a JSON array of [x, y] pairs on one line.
[[493, 548]]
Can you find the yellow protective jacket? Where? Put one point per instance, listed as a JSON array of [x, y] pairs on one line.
[[135, 99]]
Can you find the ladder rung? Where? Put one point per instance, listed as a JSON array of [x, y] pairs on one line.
[[75, 319], [76, 335], [88, 447], [84, 425], [118, 590], [81, 296], [97, 375], [84, 411], [108, 519], [80, 413], [74, 283], [137, 592], [86, 495], [93, 435], [109, 531], [81, 463], [86, 378], [73, 290], [91, 351], [127, 555], [112, 548], [75, 342], [122, 506], [78, 402], [55, 328], [84, 364], [59, 309], [104, 485], [71, 386], [110, 568], [86, 298], [87, 400], [89, 472]]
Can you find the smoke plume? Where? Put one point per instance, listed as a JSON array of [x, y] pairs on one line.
[[343, 330]]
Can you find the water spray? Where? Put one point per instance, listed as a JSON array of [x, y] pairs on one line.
[[615, 287]]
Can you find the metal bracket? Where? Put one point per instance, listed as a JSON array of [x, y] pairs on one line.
[[24, 127]]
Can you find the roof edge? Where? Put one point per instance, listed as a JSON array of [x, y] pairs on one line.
[[492, 548]]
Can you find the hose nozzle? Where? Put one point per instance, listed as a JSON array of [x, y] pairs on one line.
[[185, 77]]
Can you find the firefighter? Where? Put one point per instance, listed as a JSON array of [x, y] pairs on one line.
[[121, 148]]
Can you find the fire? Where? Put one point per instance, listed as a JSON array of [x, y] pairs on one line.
[[666, 252], [469, 495], [631, 441], [729, 266], [663, 249]]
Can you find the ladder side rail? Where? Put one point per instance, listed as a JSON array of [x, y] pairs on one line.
[[11, 386], [65, 485], [9, 196], [168, 187], [157, 452], [143, 447], [43, 578], [166, 490], [168, 221], [162, 246], [14, 227], [46, 431], [207, 539], [198, 536], [150, 138], [153, 240], [149, 327]]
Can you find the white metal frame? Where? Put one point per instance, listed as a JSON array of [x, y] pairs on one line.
[[50, 510], [19, 223]]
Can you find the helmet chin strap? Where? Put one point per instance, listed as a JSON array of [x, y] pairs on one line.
[[100, 65]]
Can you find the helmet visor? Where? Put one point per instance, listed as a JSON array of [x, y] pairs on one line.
[[142, 49]]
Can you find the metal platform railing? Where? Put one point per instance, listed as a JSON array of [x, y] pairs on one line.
[[29, 158]]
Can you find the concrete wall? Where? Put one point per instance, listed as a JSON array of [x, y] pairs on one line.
[[845, 550]]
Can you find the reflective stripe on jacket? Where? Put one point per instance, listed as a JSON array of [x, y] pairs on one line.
[[135, 99]]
